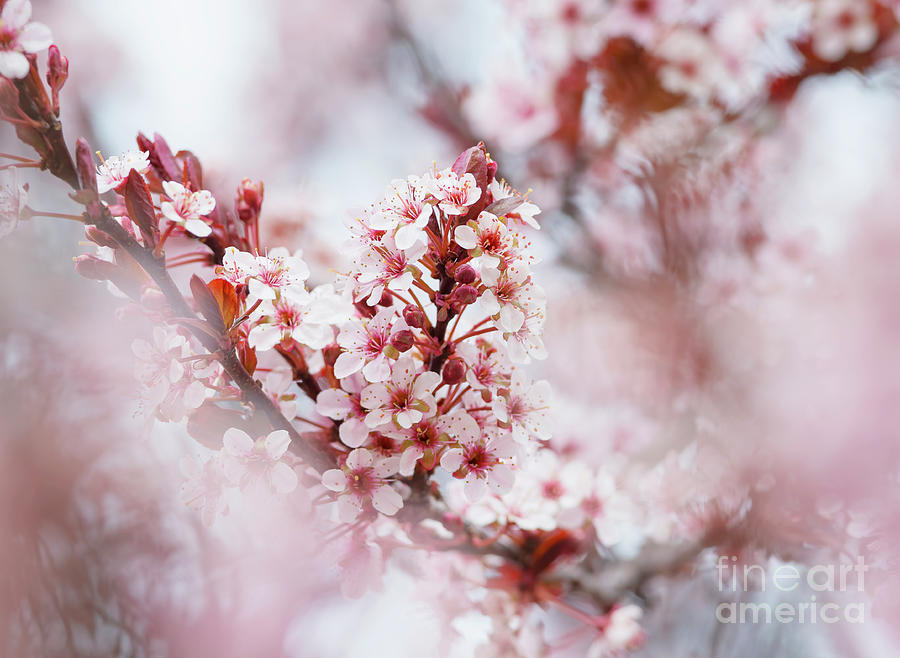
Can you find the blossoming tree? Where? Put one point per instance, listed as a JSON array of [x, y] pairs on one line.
[[398, 401]]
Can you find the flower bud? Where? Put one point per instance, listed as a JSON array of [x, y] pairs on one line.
[[331, 353], [249, 200], [387, 298], [465, 274], [454, 371], [57, 74], [91, 267], [465, 295], [414, 316], [97, 236], [403, 340]]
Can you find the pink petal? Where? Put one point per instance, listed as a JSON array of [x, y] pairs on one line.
[[237, 442], [334, 479], [35, 38], [282, 478], [277, 443], [386, 500]]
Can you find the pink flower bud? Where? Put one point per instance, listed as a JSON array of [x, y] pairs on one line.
[[465, 295], [57, 74], [249, 200], [97, 236], [91, 267], [454, 371], [465, 274], [403, 340], [414, 317]]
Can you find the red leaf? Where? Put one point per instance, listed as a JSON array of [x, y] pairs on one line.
[[226, 298], [140, 207], [207, 305]]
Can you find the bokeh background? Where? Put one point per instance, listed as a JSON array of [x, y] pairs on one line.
[[724, 327]]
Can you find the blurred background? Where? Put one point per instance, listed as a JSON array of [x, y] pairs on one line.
[[720, 251]]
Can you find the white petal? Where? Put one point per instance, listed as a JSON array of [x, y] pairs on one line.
[[334, 479], [359, 458], [237, 442], [35, 38], [386, 500], [282, 478], [197, 227], [277, 443], [347, 363], [474, 488], [13, 64], [465, 237]]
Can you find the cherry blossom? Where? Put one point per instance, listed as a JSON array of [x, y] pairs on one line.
[[404, 211], [384, 266], [481, 459], [425, 440], [486, 239], [344, 404], [366, 344], [622, 632], [524, 407], [13, 198], [269, 276], [524, 212], [510, 296], [488, 365], [285, 319], [842, 26], [113, 171], [204, 488], [363, 480], [454, 193], [186, 208], [251, 463], [406, 398], [18, 36]]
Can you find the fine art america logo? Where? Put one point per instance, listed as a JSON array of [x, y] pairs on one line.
[[823, 593]]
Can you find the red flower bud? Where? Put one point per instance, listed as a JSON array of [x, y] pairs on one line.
[[57, 74], [465, 274], [415, 317], [454, 371], [331, 353], [249, 200], [465, 295], [402, 340], [91, 267]]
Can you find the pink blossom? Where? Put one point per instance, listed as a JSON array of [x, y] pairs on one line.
[[426, 439], [204, 488], [406, 398], [403, 212], [308, 323], [511, 296], [361, 481], [525, 407], [454, 193], [267, 277], [481, 459], [843, 26], [13, 198], [19, 36], [365, 343], [250, 463], [186, 208], [383, 265], [113, 171], [524, 213], [343, 404], [622, 632]]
